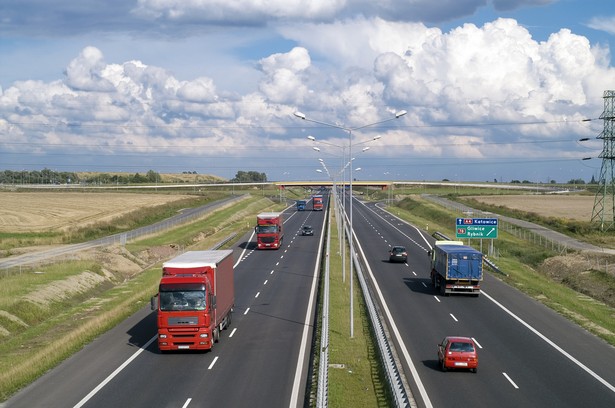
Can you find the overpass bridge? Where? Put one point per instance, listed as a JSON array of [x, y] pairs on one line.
[[383, 185]]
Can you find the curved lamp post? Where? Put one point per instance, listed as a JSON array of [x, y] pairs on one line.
[[302, 116]]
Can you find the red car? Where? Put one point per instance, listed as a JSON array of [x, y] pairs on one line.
[[458, 352]]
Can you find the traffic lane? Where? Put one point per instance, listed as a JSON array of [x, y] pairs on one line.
[[396, 231], [519, 360], [512, 356], [269, 338], [261, 355], [425, 327], [263, 364], [568, 335], [589, 349], [71, 380], [173, 379], [253, 266], [419, 289]]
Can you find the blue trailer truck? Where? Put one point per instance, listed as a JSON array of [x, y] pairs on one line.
[[456, 268], [301, 204]]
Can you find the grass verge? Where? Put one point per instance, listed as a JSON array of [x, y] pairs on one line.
[[355, 375]]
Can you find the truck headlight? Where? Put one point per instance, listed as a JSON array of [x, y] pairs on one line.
[[203, 335], [163, 336]]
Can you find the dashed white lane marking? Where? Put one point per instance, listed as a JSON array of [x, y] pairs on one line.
[[510, 380], [213, 363]]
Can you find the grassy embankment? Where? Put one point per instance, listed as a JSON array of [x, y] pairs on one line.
[[522, 262], [355, 376], [45, 317]]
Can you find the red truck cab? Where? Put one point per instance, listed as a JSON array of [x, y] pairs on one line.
[[195, 300], [317, 203], [269, 230]]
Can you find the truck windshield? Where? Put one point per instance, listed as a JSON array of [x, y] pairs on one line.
[[182, 300], [267, 229]]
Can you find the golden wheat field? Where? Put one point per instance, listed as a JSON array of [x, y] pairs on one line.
[[45, 211], [573, 207]]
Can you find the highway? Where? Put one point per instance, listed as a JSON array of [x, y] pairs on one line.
[[529, 355], [262, 359]]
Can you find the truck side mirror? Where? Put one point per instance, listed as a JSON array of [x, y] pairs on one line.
[[213, 302], [154, 302]]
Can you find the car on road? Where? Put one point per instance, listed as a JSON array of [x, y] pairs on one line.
[[307, 230], [398, 253], [457, 352]]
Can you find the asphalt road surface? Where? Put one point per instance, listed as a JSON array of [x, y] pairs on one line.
[[261, 360], [528, 355]]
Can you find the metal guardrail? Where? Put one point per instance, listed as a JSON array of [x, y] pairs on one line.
[[322, 392], [392, 371]]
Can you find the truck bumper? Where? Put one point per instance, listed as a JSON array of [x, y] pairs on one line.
[[462, 289], [184, 340], [273, 245]]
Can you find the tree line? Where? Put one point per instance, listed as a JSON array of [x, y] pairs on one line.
[[48, 176]]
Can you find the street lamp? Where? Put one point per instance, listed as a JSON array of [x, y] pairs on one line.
[[302, 116]]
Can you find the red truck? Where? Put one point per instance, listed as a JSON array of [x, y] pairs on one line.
[[195, 300], [269, 230], [317, 203]]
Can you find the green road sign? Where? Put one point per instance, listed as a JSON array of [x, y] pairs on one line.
[[477, 231]]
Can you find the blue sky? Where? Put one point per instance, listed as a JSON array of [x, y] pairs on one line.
[[494, 89]]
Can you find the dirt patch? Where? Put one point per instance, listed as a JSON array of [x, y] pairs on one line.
[[65, 288], [575, 207], [158, 253], [117, 266], [593, 276]]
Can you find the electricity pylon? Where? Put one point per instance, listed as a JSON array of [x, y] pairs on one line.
[[604, 202]]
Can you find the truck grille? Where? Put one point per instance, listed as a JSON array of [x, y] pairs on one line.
[[183, 321]]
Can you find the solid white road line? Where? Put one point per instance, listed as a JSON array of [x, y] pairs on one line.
[[113, 374], [551, 343], [395, 330]]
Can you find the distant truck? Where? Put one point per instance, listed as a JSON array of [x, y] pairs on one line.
[[269, 230], [456, 268], [317, 203], [301, 204], [195, 300]]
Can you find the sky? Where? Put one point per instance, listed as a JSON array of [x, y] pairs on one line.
[[493, 90]]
